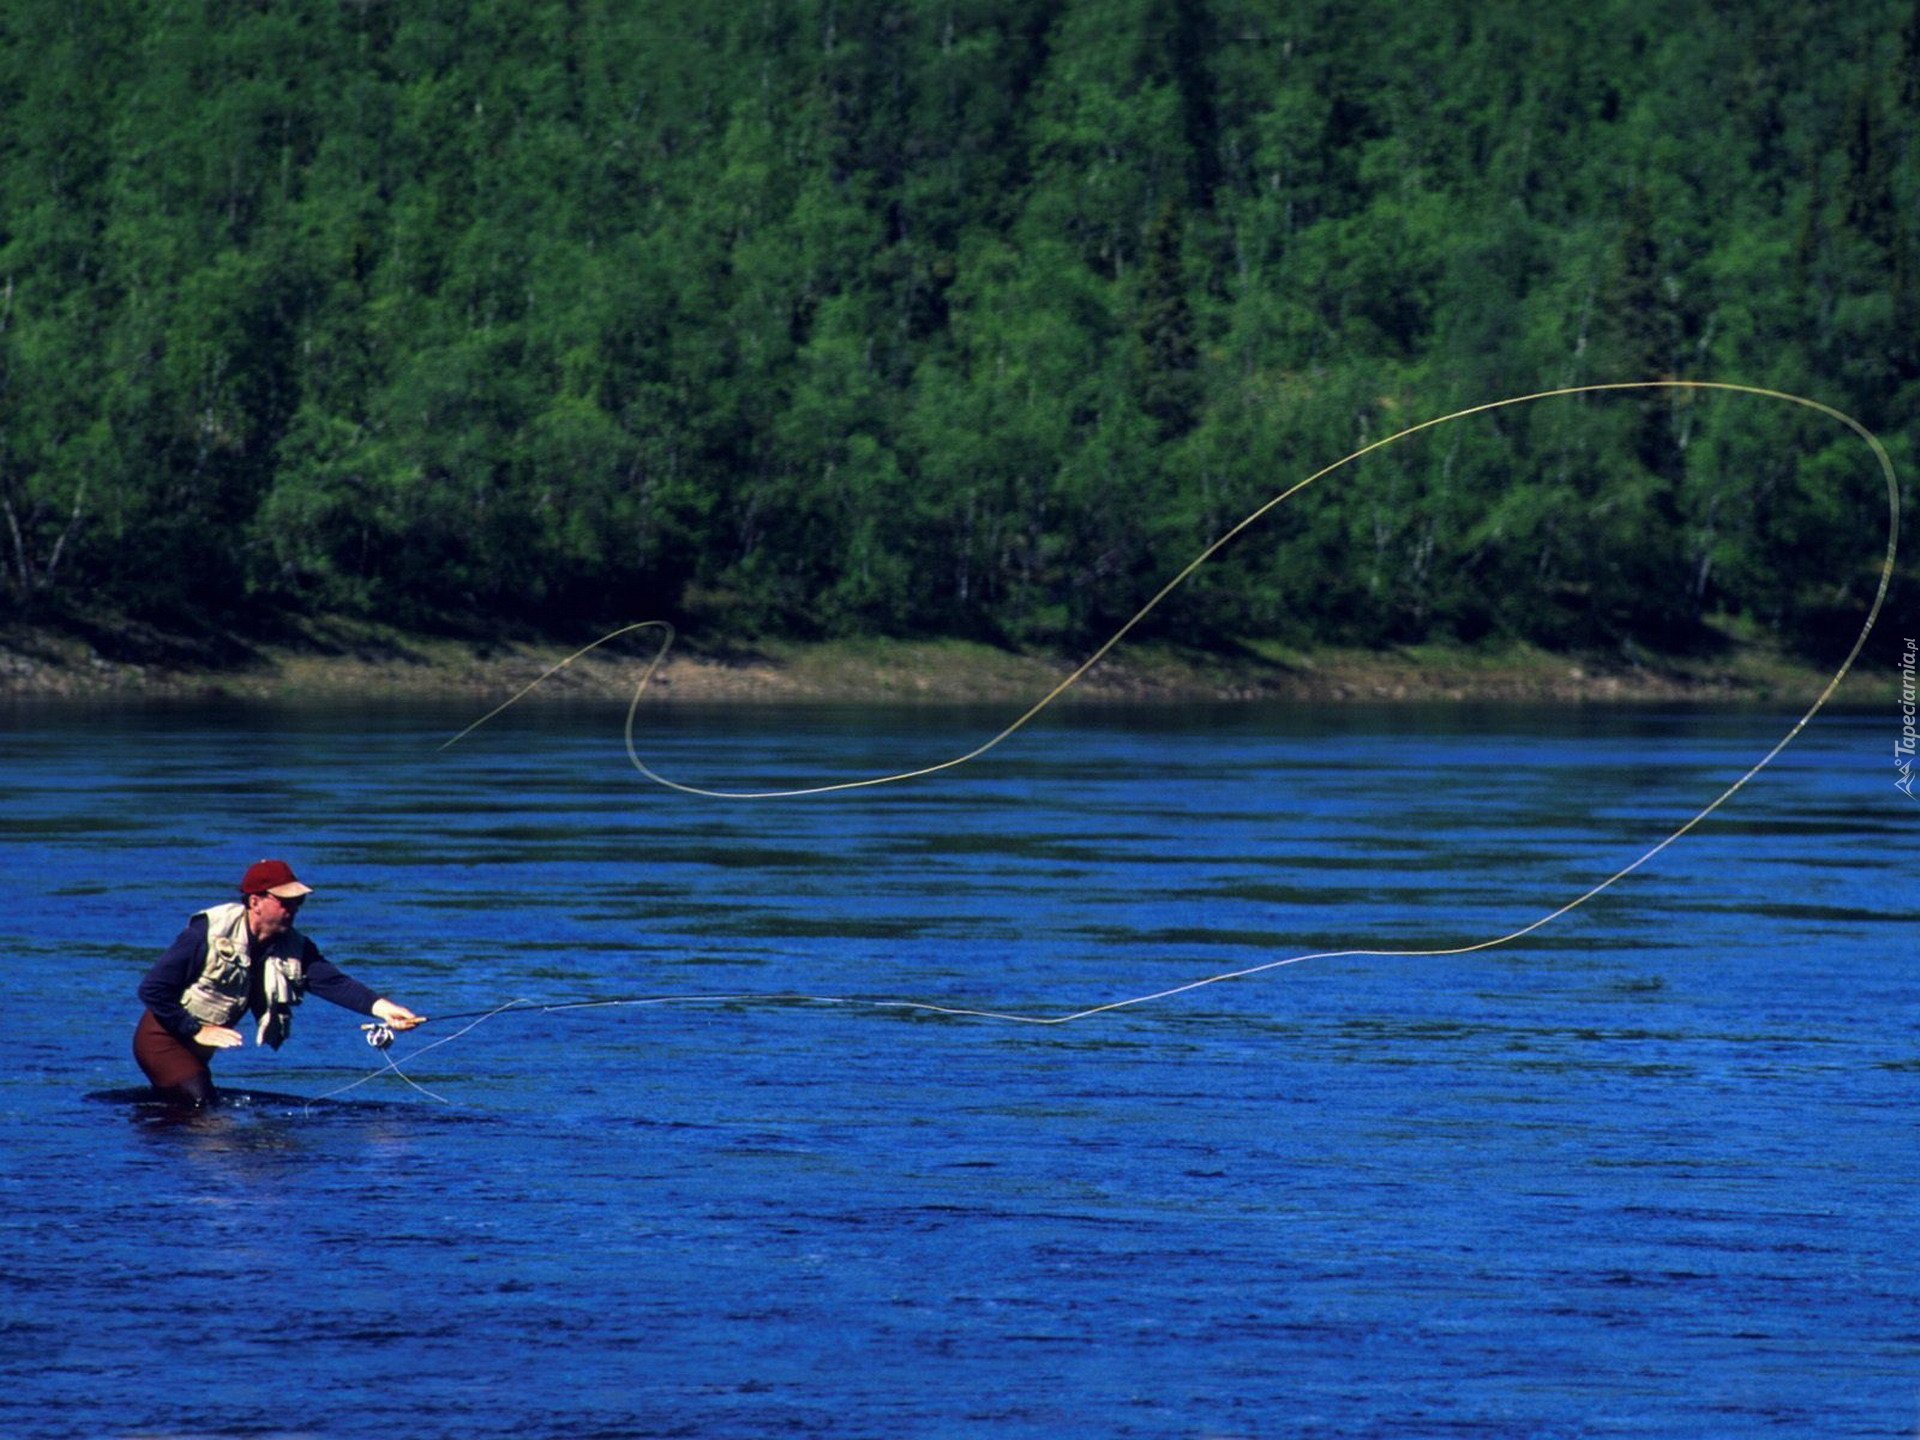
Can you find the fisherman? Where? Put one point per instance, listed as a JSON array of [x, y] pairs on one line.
[[232, 959]]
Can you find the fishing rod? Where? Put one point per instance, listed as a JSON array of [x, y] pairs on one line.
[[547, 1007], [380, 1035]]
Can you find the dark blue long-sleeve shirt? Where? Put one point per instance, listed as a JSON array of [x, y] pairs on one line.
[[180, 966]]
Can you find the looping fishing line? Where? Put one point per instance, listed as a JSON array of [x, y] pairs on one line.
[[392, 1067], [1015, 1017]]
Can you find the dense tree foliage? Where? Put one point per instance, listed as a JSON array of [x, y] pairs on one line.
[[969, 317]]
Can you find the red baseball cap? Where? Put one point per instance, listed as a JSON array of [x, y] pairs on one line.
[[273, 877]]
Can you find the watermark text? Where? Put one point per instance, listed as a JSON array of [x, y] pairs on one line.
[[1903, 747]]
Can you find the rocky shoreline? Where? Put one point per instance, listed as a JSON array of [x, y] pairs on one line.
[[340, 663]]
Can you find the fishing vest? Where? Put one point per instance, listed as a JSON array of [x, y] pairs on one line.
[[225, 988]]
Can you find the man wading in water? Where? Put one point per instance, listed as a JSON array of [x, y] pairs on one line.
[[230, 960]]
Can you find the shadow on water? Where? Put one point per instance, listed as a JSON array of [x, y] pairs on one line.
[[148, 1108]]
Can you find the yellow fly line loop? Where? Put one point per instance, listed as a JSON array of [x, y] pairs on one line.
[[1871, 441], [1187, 571]]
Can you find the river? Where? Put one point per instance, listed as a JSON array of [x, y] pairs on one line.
[[1644, 1173]]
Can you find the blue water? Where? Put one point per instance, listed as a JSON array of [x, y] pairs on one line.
[[1648, 1173]]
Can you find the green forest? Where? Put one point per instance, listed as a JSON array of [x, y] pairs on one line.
[[969, 318]]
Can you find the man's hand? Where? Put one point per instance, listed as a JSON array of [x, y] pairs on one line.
[[218, 1037], [397, 1016]]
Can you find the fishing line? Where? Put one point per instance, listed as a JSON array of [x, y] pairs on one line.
[[1187, 571], [1872, 442], [393, 1067]]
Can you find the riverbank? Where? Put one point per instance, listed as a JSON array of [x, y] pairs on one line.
[[337, 660]]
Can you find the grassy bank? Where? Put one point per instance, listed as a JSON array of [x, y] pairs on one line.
[[334, 659]]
